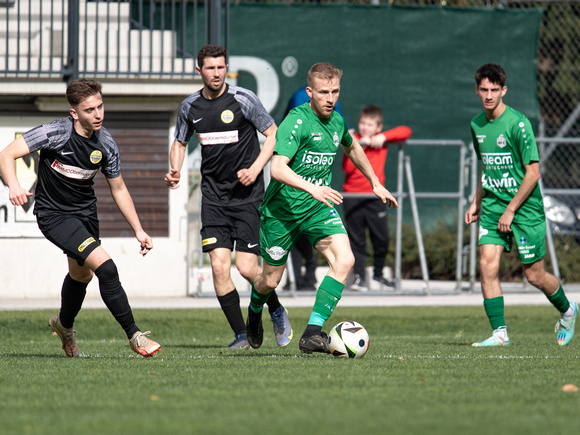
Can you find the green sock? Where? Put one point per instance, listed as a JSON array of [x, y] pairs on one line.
[[257, 299], [559, 300], [495, 312], [327, 297]]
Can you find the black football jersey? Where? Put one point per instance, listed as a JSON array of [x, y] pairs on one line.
[[226, 130], [67, 165]]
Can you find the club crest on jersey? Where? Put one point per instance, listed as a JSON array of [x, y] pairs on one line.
[[227, 116], [501, 142], [96, 157], [335, 139]]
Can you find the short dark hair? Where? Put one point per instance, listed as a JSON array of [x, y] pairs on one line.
[[81, 89], [211, 51], [324, 70], [491, 71], [372, 111]]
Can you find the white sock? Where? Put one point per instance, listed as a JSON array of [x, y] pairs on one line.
[[501, 332], [568, 314]]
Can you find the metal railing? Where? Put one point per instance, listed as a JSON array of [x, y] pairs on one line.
[[120, 39]]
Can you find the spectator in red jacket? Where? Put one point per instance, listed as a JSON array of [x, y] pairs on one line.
[[368, 211]]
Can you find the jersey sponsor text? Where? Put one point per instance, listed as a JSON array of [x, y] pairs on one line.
[[218, 138], [73, 171]]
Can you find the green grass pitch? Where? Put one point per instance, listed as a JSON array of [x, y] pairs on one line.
[[420, 376]]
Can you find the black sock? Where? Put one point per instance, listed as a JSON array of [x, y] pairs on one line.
[[230, 304], [312, 330], [72, 298], [115, 297], [273, 302]]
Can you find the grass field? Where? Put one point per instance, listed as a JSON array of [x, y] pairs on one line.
[[420, 376]]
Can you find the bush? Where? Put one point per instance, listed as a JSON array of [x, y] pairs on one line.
[[440, 249]]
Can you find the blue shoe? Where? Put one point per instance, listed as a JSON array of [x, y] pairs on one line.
[[241, 342], [497, 339], [282, 327], [565, 327]]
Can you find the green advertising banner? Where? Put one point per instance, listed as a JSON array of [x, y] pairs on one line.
[[417, 64]]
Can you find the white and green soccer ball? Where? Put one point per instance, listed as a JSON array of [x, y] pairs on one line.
[[349, 339]]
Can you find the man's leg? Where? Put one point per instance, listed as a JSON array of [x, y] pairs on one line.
[[116, 300], [493, 302], [262, 286], [74, 289], [551, 287], [379, 235], [227, 294], [247, 265], [308, 280], [336, 250], [356, 224]]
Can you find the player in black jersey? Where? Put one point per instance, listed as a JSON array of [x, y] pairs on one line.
[[72, 150], [225, 119]]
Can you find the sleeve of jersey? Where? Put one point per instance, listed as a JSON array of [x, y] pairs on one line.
[[289, 135], [254, 110], [527, 141], [47, 136], [346, 137], [112, 166], [475, 143], [183, 128]]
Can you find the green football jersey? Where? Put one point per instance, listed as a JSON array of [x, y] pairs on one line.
[[311, 144], [505, 145]]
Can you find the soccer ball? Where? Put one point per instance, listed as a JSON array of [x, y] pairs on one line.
[[349, 340]]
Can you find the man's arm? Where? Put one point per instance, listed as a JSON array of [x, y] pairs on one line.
[[18, 148], [249, 175], [126, 206], [526, 188], [357, 155], [176, 157], [472, 213], [280, 171]]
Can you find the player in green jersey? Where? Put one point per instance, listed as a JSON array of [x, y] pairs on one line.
[[299, 201], [508, 203]]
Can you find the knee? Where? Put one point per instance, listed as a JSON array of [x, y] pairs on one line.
[[343, 264], [84, 275], [220, 269], [248, 271], [488, 268], [534, 277], [107, 271]]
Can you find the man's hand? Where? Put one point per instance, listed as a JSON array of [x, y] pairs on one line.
[[172, 179], [326, 195], [145, 241], [18, 195], [472, 214], [380, 191], [247, 176], [505, 222]]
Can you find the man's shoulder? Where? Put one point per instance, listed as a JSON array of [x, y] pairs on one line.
[[479, 120], [193, 97], [515, 114]]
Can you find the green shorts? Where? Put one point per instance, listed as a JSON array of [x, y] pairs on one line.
[[530, 240], [277, 237]]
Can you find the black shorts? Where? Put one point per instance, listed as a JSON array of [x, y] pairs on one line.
[[77, 236], [222, 226]]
